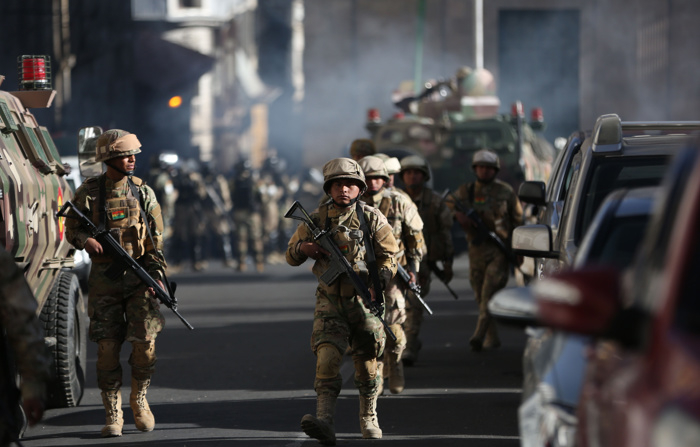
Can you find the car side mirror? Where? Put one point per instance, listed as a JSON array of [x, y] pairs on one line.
[[532, 192], [534, 241]]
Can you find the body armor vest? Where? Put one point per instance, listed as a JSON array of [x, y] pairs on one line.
[[121, 217]]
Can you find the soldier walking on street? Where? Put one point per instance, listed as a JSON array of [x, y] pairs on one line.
[[407, 226], [499, 208], [437, 221], [341, 316], [22, 336], [247, 217], [123, 309], [189, 224]]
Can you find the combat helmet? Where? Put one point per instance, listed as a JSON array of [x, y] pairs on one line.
[[393, 165], [362, 147], [374, 166], [340, 168], [116, 143], [415, 162], [486, 157]]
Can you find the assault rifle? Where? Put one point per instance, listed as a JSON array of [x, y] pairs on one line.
[[415, 288], [441, 276], [484, 232], [340, 265], [121, 260]]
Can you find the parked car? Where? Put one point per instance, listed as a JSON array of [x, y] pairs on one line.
[[554, 362], [642, 386], [615, 155]]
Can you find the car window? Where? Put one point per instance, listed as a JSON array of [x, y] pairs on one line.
[[618, 242], [477, 139], [608, 174]]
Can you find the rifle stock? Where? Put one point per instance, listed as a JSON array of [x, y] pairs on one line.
[[441, 276], [122, 260], [339, 264]]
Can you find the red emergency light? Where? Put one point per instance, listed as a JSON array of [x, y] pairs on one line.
[[399, 115], [516, 109], [536, 115], [34, 72], [373, 116]]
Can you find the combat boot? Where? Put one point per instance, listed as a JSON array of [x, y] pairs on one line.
[[396, 378], [369, 423], [112, 401], [321, 426], [492, 341], [139, 405]]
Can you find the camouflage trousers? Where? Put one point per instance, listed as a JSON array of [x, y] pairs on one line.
[[395, 304], [488, 273], [342, 321], [121, 310], [249, 227]]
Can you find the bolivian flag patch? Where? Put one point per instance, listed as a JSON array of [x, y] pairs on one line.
[[345, 249], [480, 200], [117, 214]]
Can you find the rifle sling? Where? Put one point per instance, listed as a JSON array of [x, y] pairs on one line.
[[371, 257]]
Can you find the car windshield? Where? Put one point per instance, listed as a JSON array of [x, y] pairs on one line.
[[619, 241], [474, 139], [608, 174]]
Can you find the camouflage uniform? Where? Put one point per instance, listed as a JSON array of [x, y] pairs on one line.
[[189, 224], [500, 210], [407, 226], [25, 339], [437, 221], [340, 316], [123, 309], [218, 206], [247, 202]]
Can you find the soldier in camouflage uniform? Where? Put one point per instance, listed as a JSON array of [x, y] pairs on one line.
[[407, 227], [362, 147], [189, 223], [247, 204], [500, 210], [437, 220], [340, 316], [122, 310], [25, 340]]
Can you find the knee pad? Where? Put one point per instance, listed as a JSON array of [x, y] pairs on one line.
[[108, 354], [327, 361], [365, 369], [143, 354]]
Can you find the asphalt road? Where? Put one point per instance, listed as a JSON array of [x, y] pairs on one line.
[[244, 376]]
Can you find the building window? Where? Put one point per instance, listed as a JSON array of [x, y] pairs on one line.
[[190, 3]]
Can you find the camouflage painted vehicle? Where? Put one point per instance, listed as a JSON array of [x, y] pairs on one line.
[[450, 120], [33, 187]]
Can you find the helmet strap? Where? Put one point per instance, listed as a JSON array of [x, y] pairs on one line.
[[119, 170]]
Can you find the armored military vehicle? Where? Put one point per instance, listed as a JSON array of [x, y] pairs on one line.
[[33, 187], [450, 120]]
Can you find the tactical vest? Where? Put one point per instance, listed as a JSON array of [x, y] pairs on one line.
[[121, 217], [350, 239]]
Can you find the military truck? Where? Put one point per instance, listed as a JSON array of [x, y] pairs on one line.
[[450, 120], [33, 187]]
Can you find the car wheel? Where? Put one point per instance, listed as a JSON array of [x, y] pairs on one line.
[[65, 321]]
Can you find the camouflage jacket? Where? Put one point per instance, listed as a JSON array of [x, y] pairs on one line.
[[496, 204], [345, 227], [86, 200], [406, 224], [24, 332], [437, 220]]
